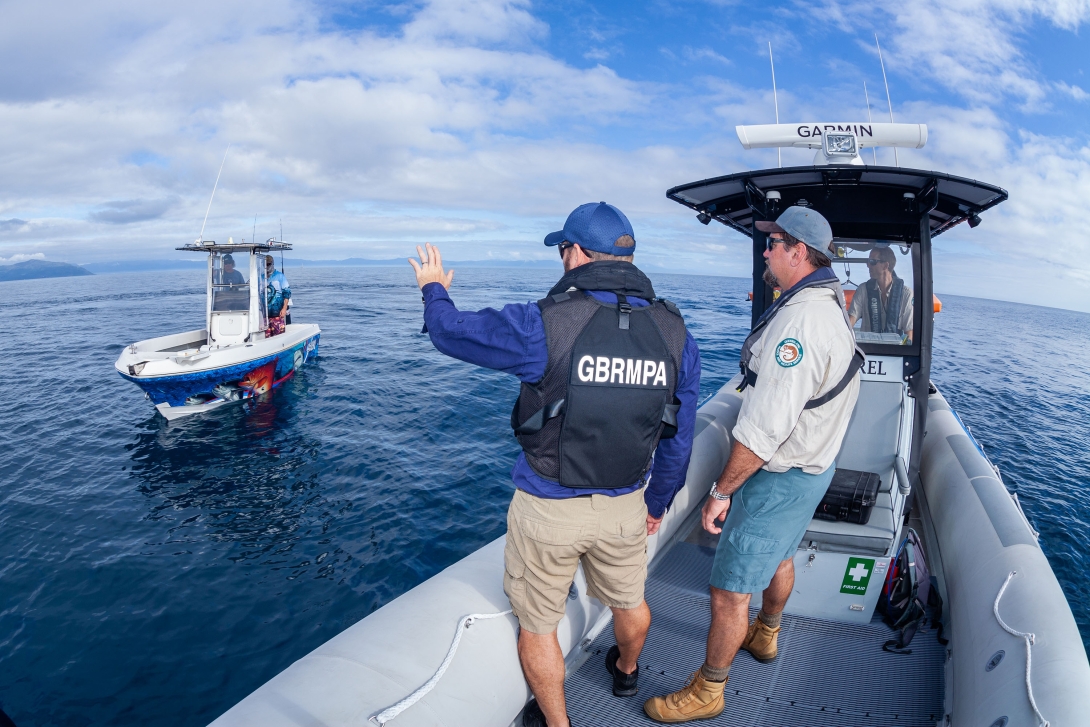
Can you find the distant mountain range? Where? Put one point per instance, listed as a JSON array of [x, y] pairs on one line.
[[31, 269], [128, 266]]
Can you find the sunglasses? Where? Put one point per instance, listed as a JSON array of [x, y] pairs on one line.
[[871, 262], [770, 243]]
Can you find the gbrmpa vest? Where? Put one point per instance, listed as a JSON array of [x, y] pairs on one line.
[[608, 393]]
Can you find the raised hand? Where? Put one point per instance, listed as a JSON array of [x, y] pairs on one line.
[[430, 267]]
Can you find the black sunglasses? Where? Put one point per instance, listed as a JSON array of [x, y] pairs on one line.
[[769, 242], [871, 262]]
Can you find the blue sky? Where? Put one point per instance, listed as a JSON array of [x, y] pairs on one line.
[[369, 127]]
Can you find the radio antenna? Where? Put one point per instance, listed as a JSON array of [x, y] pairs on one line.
[[896, 160], [870, 118], [775, 100], [201, 237], [281, 240]]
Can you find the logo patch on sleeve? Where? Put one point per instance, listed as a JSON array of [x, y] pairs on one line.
[[788, 352]]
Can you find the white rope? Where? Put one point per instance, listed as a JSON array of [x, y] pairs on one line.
[[1029, 638], [390, 712]]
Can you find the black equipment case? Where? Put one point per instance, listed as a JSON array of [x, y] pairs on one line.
[[850, 497]]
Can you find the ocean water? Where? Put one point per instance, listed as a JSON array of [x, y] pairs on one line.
[[154, 574]]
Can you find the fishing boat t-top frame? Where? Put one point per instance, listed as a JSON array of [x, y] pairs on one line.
[[867, 207], [235, 309]]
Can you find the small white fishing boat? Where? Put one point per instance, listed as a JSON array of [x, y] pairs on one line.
[[236, 356], [1012, 656]]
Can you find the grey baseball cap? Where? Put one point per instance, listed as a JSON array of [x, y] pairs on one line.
[[805, 224]]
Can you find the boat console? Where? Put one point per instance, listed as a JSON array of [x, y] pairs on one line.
[[883, 220]]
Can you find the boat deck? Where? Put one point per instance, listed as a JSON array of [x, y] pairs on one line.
[[827, 674]]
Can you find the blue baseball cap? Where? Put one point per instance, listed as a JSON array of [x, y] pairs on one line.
[[805, 224], [595, 226]]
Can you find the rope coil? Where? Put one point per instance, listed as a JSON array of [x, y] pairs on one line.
[[1029, 639], [390, 712]]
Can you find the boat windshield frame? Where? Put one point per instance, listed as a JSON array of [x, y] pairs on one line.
[[256, 313], [874, 348]]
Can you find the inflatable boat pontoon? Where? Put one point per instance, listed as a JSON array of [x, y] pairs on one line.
[[995, 583]]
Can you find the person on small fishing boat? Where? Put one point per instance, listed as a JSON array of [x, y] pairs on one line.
[[277, 297], [230, 276], [884, 303], [800, 383], [605, 417]]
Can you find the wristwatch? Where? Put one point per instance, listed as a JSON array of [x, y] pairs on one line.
[[716, 494]]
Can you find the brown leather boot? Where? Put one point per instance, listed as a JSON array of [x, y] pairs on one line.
[[700, 699], [761, 641]]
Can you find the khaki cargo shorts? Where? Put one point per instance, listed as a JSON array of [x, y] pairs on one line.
[[546, 541]]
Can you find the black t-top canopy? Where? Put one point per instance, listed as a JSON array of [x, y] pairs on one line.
[[860, 202], [213, 246]]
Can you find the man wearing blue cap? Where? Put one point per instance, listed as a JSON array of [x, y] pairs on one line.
[[800, 378], [605, 417]]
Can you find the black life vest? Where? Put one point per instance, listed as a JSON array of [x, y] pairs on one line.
[[608, 393], [820, 280], [887, 320]]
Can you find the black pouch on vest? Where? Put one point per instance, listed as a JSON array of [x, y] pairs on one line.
[[850, 497]]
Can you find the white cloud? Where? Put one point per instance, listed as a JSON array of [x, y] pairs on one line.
[[705, 54], [971, 47], [1073, 91], [1030, 248], [452, 123], [18, 258]]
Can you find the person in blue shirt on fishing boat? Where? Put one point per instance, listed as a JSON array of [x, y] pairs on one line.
[[229, 275], [277, 296], [605, 416]]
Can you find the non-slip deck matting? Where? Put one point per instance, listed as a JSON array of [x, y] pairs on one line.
[[827, 674]]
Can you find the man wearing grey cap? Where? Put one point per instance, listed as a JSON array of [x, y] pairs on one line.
[[800, 383], [230, 276]]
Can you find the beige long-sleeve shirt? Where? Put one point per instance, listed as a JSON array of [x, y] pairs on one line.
[[803, 353]]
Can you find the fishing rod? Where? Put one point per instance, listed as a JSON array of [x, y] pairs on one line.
[[896, 159], [776, 101], [200, 238]]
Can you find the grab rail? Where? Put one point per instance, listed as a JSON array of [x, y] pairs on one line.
[[902, 476]]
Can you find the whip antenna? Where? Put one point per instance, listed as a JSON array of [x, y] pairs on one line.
[[775, 100], [201, 237], [870, 118], [896, 160]]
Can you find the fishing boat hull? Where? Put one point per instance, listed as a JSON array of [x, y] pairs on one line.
[[182, 375], [973, 539]]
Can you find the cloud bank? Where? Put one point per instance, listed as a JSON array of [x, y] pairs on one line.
[[367, 129]]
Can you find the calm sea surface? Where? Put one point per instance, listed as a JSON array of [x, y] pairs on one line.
[[154, 574]]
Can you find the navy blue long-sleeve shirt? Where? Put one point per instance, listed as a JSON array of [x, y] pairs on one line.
[[512, 340]]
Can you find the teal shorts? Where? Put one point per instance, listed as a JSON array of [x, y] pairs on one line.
[[768, 517]]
